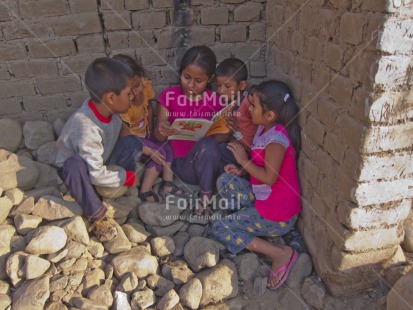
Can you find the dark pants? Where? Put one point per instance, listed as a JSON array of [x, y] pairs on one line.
[[200, 166], [75, 175], [227, 157]]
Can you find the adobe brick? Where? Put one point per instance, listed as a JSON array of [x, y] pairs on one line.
[[24, 69], [258, 69], [308, 16], [222, 51], [4, 72], [315, 130], [328, 24], [10, 106], [318, 206], [170, 38], [42, 8], [59, 85], [149, 58], [147, 37], [12, 51], [233, 1], [136, 5], [391, 69], [297, 41], [357, 217], [343, 261], [358, 108], [341, 4], [350, 130], [18, 30], [352, 162], [118, 40], [309, 170], [90, 43], [113, 4], [233, 33], [4, 14], [250, 51], [351, 28], [78, 63], [334, 147], [327, 192], [309, 100], [345, 184], [135, 39], [203, 35], [333, 56], [77, 98], [274, 15], [303, 69], [256, 32], [117, 21], [83, 6], [163, 4], [43, 103], [372, 5], [324, 162], [214, 16], [16, 88], [168, 76], [387, 138], [52, 48], [248, 12], [85, 23], [341, 90], [321, 77], [148, 20], [373, 239], [314, 48]]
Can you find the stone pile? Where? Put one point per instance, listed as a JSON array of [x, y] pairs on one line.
[[163, 257]]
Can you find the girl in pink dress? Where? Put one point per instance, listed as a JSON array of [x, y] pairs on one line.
[[270, 202]]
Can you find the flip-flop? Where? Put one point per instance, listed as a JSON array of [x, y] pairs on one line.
[[286, 268]]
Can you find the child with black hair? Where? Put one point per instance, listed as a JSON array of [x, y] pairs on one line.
[[138, 121], [271, 200], [231, 78], [89, 143]]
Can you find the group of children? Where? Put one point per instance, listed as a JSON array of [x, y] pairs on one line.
[[115, 127]]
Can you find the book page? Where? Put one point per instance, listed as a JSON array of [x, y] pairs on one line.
[[225, 111], [191, 129]]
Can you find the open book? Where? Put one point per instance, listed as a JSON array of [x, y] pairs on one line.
[[196, 128]]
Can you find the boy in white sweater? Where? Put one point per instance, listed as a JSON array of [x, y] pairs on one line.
[[89, 143]]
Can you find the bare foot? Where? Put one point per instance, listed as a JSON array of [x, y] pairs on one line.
[[279, 260]]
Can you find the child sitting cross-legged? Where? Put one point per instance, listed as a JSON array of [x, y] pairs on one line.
[[271, 201], [138, 121]]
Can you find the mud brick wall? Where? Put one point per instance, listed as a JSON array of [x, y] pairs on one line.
[[349, 63], [46, 45]]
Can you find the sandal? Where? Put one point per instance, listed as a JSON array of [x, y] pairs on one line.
[[173, 191], [203, 211], [144, 196], [286, 268]]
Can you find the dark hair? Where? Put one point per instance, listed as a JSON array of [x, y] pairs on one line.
[[136, 67], [106, 75], [276, 96], [201, 56], [233, 68]]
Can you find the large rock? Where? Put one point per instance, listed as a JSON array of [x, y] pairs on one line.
[[35, 267], [163, 246], [400, 296], [101, 294], [47, 175], [75, 229], [201, 252], [142, 299], [158, 231], [190, 293], [159, 284], [120, 207], [159, 214], [135, 232], [37, 133], [301, 269], [218, 283], [168, 301], [52, 208], [26, 222], [14, 265], [140, 262], [118, 244], [17, 171], [47, 240], [10, 141], [247, 266], [32, 294], [6, 233], [5, 207], [47, 153], [5, 301]]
